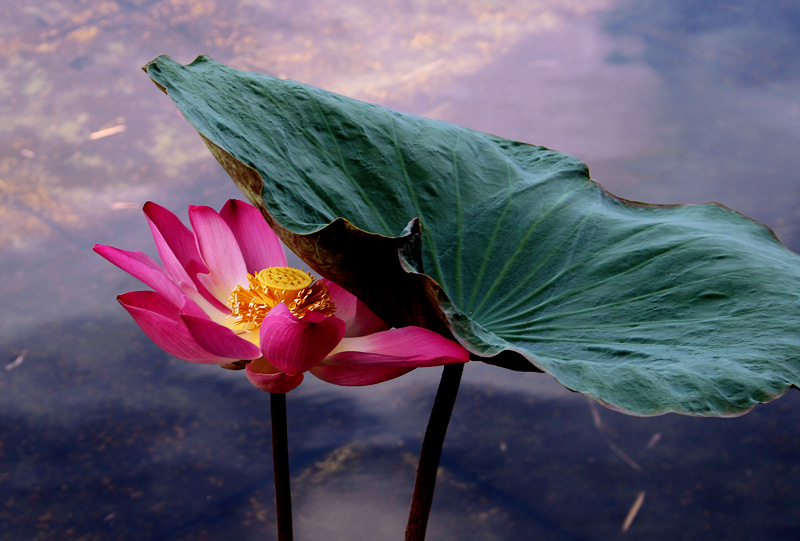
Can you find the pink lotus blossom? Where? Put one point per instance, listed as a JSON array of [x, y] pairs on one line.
[[224, 295]]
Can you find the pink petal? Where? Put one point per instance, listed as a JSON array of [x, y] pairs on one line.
[[141, 266], [220, 252], [385, 355], [362, 375], [216, 338], [259, 244], [174, 241], [360, 320], [194, 305], [268, 378], [294, 345], [159, 319], [168, 259], [190, 308], [177, 248]]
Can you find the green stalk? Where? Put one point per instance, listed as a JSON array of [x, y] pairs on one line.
[[431, 452]]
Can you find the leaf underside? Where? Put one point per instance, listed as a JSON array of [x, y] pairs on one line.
[[510, 247]]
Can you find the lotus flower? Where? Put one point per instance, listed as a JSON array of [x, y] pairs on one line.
[[226, 296]]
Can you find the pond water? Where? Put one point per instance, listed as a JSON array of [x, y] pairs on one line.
[[104, 436]]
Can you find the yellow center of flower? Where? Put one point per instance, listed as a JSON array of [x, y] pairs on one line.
[[293, 287], [285, 278]]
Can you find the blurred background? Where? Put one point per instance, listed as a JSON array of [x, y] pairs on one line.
[[104, 436]]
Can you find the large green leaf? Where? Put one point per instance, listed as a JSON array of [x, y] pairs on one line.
[[528, 262]]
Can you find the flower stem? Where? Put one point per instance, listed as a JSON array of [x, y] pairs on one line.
[[280, 465], [431, 452]]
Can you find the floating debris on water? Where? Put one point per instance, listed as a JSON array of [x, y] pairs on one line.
[[654, 439], [637, 504], [16, 362], [99, 134]]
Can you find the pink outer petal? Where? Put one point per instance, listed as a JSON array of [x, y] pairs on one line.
[[359, 319], [259, 244], [177, 248], [385, 355], [362, 375], [217, 339], [268, 378], [174, 239], [159, 320], [220, 252], [141, 266], [294, 345], [406, 347]]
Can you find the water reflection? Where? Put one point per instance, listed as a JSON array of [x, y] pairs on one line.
[[104, 436], [729, 83]]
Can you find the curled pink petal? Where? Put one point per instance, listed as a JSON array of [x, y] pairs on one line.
[[220, 252], [366, 360], [406, 347], [294, 345], [268, 378], [159, 319], [259, 244], [359, 318], [351, 376], [217, 339], [141, 266]]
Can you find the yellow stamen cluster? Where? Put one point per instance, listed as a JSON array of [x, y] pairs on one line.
[[293, 287]]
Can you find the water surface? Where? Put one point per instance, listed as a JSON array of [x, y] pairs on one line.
[[104, 436]]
